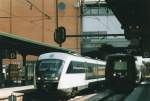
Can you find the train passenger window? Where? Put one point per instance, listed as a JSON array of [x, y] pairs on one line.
[[89, 66], [101, 71], [91, 71], [76, 67], [95, 71]]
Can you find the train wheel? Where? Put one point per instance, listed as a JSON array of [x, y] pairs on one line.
[[74, 92]]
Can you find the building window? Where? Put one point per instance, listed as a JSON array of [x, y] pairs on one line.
[[86, 11], [92, 11]]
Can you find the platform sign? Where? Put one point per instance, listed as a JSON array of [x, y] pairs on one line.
[[60, 35]]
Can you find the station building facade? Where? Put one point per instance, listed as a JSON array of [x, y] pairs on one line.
[[98, 18], [37, 20]]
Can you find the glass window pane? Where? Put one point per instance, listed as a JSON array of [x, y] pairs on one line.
[[94, 11], [49, 67], [76, 67], [86, 11], [120, 65]]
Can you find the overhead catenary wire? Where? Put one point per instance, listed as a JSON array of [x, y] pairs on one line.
[[38, 9], [10, 14], [20, 17], [43, 24]]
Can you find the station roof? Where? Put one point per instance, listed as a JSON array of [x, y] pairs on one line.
[[27, 46], [95, 3]]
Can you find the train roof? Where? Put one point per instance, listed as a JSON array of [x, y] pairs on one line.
[[118, 55], [55, 54], [65, 56]]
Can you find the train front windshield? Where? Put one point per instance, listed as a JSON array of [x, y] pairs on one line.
[[120, 65], [49, 69], [120, 68]]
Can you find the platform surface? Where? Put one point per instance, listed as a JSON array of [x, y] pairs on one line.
[[6, 92], [141, 93]]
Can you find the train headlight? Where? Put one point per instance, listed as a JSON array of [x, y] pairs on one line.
[[45, 78], [114, 74], [56, 78], [44, 86], [38, 78]]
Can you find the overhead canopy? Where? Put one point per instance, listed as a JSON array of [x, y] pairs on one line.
[[27, 46], [134, 16]]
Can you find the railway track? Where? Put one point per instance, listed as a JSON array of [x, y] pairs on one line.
[[101, 95], [109, 95], [106, 95]]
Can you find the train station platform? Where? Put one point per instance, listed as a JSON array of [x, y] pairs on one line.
[[141, 93], [6, 93]]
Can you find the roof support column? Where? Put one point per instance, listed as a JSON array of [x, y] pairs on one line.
[[1, 65], [26, 69]]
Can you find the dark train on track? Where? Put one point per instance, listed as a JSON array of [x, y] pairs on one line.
[[122, 72]]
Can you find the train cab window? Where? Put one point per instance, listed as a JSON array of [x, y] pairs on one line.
[[120, 65], [76, 67], [49, 66]]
